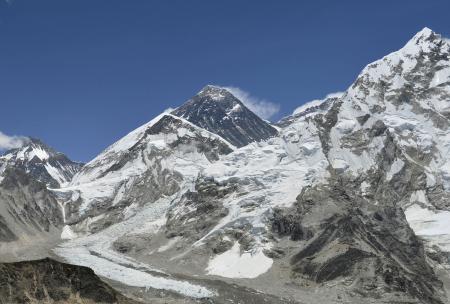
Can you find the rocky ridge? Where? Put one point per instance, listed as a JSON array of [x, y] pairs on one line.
[[42, 162]]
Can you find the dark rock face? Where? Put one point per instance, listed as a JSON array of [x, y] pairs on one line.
[[218, 111], [42, 163], [48, 281], [370, 245], [26, 206], [205, 207], [288, 223]]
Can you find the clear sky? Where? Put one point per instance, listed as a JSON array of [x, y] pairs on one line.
[[80, 74]]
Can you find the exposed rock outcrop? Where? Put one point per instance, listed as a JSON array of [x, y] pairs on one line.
[[49, 281]]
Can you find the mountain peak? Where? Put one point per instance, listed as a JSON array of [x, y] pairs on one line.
[[217, 110], [31, 148], [211, 88], [40, 161], [216, 93], [424, 33], [424, 41], [425, 36]]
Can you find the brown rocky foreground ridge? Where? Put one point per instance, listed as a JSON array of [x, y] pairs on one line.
[[49, 281]]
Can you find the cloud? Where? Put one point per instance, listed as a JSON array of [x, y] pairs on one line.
[[11, 142], [316, 102], [261, 107]]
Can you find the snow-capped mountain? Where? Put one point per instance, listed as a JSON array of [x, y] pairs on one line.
[[154, 161], [347, 201], [42, 162], [217, 110]]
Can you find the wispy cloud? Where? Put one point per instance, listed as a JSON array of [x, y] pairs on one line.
[[261, 107], [11, 142]]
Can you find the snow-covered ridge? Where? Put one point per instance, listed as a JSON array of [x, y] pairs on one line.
[[408, 93], [316, 103], [99, 164], [41, 161], [156, 146], [423, 46]]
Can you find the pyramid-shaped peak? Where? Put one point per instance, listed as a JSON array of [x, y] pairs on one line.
[[424, 40], [214, 92], [426, 31], [426, 34], [32, 141], [217, 110]]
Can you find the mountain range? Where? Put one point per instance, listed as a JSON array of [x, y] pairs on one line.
[[347, 200]]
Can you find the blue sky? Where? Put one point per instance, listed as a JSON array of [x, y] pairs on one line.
[[80, 74]]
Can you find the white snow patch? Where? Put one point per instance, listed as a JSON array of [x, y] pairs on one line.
[[431, 180], [168, 245], [419, 196], [340, 165], [364, 186], [346, 125], [56, 174], [67, 233], [233, 264], [434, 226], [396, 166]]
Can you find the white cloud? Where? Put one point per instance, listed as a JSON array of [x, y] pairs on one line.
[[316, 102], [11, 142], [261, 107]]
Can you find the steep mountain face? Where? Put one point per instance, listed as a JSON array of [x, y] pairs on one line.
[[30, 217], [400, 137], [154, 161], [48, 281], [346, 202], [217, 110], [42, 162], [387, 142]]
